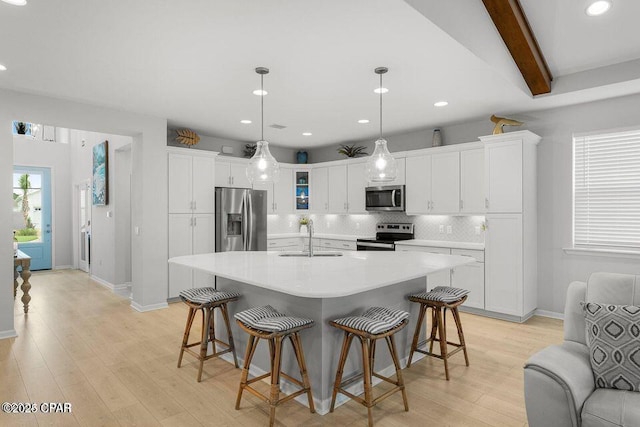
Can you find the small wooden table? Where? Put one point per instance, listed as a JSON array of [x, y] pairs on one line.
[[22, 260]]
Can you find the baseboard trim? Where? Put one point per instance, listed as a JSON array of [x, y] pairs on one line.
[[549, 314], [499, 316], [103, 282], [11, 333], [150, 307], [63, 267]]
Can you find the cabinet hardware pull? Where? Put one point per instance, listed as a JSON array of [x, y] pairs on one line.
[[461, 205], [195, 222], [486, 203], [195, 205]]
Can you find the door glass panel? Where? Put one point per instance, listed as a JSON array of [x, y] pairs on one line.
[[27, 206]]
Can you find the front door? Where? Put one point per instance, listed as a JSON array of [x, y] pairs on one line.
[[32, 214]]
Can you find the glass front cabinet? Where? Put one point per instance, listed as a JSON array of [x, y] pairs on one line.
[[302, 190]]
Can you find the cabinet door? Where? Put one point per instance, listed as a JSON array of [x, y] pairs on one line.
[[356, 185], [203, 243], [418, 186], [471, 278], [400, 177], [503, 264], [503, 172], [268, 187], [441, 278], [472, 181], [319, 192], [180, 243], [238, 172], [337, 189], [203, 184], [283, 192], [180, 187], [223, 174], [445, 183]]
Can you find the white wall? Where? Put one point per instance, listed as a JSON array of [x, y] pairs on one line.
[[54, 155], [149, 207], [122, 213]]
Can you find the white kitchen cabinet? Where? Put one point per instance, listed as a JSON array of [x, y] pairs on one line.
[[189, 234], [357, 183], [445, 183], [320, 191], [472, 176], [503, 171], [283, 192], [285, 244], [268, 187], [418, 186], [190, 183], [504, 264], [331, 244], [470, 277], [231, 173], [440, 278], [337, 189], [401, 175]]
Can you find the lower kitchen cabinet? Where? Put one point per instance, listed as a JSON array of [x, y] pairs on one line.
[[471, 278]]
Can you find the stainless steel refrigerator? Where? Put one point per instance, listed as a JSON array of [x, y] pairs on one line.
[[241, 219]]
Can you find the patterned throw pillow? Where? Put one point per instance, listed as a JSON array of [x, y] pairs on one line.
[[613, 336]]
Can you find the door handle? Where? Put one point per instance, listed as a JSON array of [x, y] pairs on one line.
[[393, 198]]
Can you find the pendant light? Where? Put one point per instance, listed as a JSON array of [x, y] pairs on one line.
[[381, 166], [263, 167]]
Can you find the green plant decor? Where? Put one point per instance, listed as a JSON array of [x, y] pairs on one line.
[[21, 128], [249, 150], [352, 150], [304, 220]]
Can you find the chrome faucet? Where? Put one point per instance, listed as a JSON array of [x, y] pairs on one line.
[[310, 228]]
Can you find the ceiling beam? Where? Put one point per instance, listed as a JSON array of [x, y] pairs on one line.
[[512, 24]]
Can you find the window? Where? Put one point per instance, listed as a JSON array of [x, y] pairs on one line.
[[606, 189]]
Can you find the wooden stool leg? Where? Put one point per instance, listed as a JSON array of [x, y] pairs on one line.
[[225, 316], [252, 343], [394, 355], [434, 329], [416, 334], [206, 321], [187, 330], [212, 329], [442, 335], [372, 355], [456, 317], [346, 344], [297, 348], [274, 396], [367, 378]]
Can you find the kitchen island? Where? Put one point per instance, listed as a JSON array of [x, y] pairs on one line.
[[323, 289]]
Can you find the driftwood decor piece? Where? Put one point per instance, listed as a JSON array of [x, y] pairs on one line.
[[187, 137], [501, 122]]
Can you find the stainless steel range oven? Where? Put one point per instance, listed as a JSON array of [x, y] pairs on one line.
[[386, 236]]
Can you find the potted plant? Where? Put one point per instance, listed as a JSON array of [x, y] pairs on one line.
[[304, 221], [352, 150]]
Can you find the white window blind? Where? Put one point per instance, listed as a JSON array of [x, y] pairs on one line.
[[607, 190]]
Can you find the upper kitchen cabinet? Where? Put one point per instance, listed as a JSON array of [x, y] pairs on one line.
[[418, 187], [509, 160], [445, 183], [302, 189], [279, 194], [191, 181], [338, 189], [400, 176], [356, 185], [319, 202], [472, 192], [231, 172]]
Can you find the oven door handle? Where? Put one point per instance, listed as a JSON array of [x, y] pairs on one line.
[[376, 245]]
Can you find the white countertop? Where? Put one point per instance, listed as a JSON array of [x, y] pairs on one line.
[[322, 277], [443, 244], [349, 237]]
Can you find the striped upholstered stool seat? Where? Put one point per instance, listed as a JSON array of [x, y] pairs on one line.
[[268, 324], [206, 300], [439, 299], [268, 319], [207, 295], [374, 324], [374, 321]]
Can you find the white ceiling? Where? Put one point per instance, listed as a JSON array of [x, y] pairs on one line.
[[193, 62]]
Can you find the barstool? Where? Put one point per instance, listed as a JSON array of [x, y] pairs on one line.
[[439, 299], [374, 324], [206, 300], [266, 323]]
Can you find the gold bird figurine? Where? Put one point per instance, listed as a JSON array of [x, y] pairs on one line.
[[503, 121]]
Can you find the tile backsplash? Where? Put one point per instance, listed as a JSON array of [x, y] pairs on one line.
[[427, 227]]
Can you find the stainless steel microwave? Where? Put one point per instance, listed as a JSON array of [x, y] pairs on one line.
[[389, 198]]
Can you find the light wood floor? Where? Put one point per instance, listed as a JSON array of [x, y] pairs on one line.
[[82, 344]]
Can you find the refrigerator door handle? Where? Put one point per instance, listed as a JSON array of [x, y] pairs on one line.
[[249, 220], [245, 227]]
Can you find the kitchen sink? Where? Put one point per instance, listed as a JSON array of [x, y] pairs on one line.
[[306, 254]]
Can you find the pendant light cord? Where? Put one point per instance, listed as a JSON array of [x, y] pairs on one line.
[[262, 107], [380, 106]]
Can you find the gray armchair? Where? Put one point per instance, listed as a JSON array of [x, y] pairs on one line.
[[559, 385]]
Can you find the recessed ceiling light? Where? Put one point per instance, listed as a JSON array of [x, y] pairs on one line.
[[245, 122], [307, 134], [363, 121], [260, 92], [381, 90], [16, 2], [441, 104], [598, 8], [3, 68]]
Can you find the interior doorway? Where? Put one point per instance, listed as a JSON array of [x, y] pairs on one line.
[[83, 194]]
